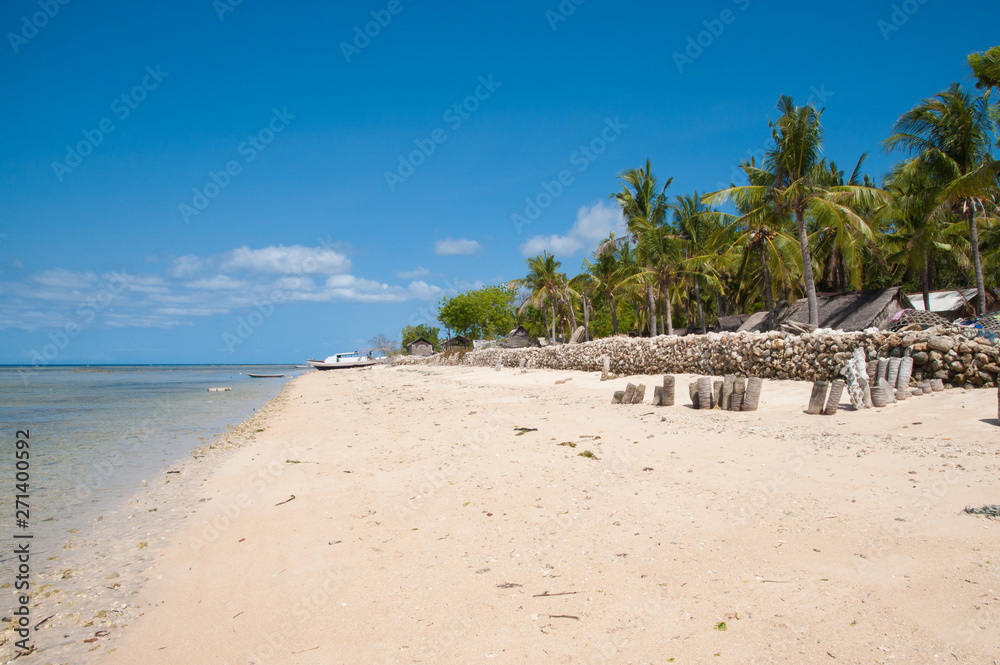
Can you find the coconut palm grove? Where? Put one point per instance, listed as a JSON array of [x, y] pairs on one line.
[[799, 223]]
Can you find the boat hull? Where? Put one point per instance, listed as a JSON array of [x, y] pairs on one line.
[[319, 364]]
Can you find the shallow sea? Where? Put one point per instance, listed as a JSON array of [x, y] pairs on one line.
[[97, 432]]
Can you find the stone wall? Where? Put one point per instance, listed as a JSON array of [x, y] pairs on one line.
[[955, 355]]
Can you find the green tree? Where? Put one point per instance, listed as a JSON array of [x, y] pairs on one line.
[[458, 314], [645, 206], [428, 332], [793, 186], [479, 313], [606, 276], [950, 136], [915, 232], [985, 67], [762, 254], [546, 284]]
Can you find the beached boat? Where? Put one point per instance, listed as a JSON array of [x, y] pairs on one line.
[[345, 361], [266, 376]]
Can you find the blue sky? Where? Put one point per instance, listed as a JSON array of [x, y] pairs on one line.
[[205, 181]]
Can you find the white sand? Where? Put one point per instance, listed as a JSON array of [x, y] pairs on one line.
[[423, 529]]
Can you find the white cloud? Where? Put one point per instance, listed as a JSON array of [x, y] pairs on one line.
[[450, 246], [592, 225], [217, 283], [424, 291], [65, 279], [413, 274], [190, 287], [295, 284], [186, 266], [294, 260]]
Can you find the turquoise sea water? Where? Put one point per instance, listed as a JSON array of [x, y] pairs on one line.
[[97, 432]]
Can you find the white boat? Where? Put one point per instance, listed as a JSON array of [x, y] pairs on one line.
[[345, 360]]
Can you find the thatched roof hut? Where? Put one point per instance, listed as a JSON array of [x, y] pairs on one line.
[[731, 323], [518, 338], [853, 311], [456, 343], [420, 347]]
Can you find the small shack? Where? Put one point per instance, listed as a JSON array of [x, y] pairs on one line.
[[853, 311], [420, 347], [456, 343], [518, 338]]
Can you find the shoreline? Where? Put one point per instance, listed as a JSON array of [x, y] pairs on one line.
[[85, 588], [425, 527]]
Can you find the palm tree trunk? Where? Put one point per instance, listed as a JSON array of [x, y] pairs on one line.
[[569, 307], [925, 282], [670, 316], [614, 314], [670, 310], [652, 310], [807, 269], [977, 262], [586, 316], [552, 304], [701, 310], [545, 317], [768, 295]]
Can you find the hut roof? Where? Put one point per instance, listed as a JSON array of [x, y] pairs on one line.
[[420, 339], [948, 301], [853, 311], [730, 323]]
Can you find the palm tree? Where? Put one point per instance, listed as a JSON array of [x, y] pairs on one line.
[[792, 187], [662, 258], [950, 136], [760, 249], [914, 228], [838, 241], [696, 225], [985, 67], [584, 285], [545, 282], [645, 206], [609, 269]]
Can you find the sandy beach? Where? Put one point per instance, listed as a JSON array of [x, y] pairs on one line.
[[401, 515]]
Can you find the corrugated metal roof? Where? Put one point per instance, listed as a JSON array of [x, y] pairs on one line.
[[944, 301]]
